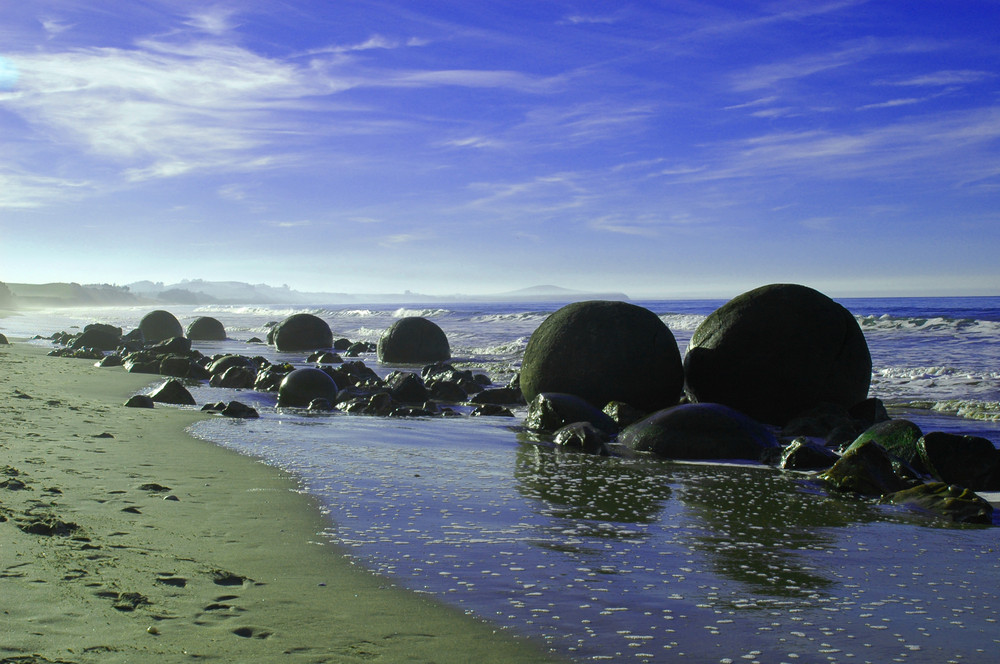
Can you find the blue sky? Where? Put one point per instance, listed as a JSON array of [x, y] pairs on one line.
[[657, 148]]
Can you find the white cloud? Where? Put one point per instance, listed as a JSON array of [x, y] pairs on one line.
[[213, 20], [945, 78]]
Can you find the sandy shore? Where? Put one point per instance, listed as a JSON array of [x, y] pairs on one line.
[[122, 539]]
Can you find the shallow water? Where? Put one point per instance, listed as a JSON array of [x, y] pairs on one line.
[[636, 559]]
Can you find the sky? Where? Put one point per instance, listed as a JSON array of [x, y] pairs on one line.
[[660, 149]]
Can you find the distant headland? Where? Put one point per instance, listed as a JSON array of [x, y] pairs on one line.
[[15, 296]]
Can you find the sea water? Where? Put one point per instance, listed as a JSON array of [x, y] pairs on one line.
[[638, 559]]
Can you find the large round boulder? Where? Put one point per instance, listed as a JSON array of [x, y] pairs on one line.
[[302, 332], [603, 351], [301, 386], [699, 431], [206, 328], [99, 336], [777, 351], [413, 340], [159, 325]]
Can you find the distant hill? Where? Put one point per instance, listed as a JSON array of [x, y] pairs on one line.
[[70, 295]]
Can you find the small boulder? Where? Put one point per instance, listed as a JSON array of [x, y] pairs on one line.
[[301, 386], [139, 401], [173, 392], [604, 351], [159, 325], [954, 503], [99, 337], [3, 341], [897, 437], [550, 411], [969, 461], [172, 345], [413, 340], [805, 454], [582, 437], [301, 332], [866, 469], [699, 431], [406, 387], [235, 377], [240, 410], [499, 395], [623, 414], [206, 328], [777, 351]]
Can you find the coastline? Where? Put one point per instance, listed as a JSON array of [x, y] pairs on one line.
[[221, 561]]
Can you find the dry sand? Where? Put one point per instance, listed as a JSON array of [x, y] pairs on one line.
[[123, 539]]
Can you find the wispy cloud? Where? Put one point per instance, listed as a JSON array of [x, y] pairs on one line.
[[213, 20], [944, 78]]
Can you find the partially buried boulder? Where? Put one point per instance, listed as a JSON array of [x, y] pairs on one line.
[[173, 392], [777, 351], [550, 411], [413, 340], [159, 325], [699, 431], [301, 386], [206, 328], [98, 336], [954, 503], [604, 351], [969, 461], [302, 332], [3, 341], [865, 468]]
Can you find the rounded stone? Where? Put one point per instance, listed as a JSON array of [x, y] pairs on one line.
[[301, 386], [206, 328], [777, 351], [603, 351], [413, 340], [699, 431], [302, 332], [159, 325]]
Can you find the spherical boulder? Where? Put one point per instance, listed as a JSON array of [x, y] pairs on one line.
[[413, 340], [302, 332], [159, 325], [301, 386], [206, 328], [603, 351], [699, 431], [777, 351]]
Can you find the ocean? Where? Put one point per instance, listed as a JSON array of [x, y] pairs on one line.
[[635, 559]]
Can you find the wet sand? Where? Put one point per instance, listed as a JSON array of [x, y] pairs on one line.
[[122, 538]]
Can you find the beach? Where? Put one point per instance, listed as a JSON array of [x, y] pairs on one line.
[[122, 537]]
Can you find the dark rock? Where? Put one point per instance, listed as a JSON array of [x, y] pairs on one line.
[[499, 395], [182, 367], [255, 340], [380, 403], [699, 431], [446, 390], [406, 387], [173, 345], [954, 503], [604, 351], [110, 361], [550, 411], [865, 468], [159, 325], [240, 410], [302, 332], [235, 377], [220, 364], [206, 328], [3, 341], [491, 409], [583, 437], [216, 407], [623, 414], [777, 351], [805, 454], [301, 386], [968, 461], [413, 340], [269, 379], [868, 412], [141, 363], [325, 357], [898, 438], [139, 401], [173, 392], [342, 344], [321, 404], [99, 337]]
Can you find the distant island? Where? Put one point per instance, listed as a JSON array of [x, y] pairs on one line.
[[200, 292]]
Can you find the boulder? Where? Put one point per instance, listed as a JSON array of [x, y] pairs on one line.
[[699, 431], [3, 341], [623, 414], [301, 386], [206, 328], [171, 345], [604, 351], [954, 503], [139, 401], [235, 377], [240, 410], [582, 437], [413, 340], [804, 454], [968, 461], [550, 411], [220, 364], [173, 392], [99, 337], [301, 332], [866, 469], [777, 351], [406, 387], [159, 325], [501, 396], [898, 438]]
